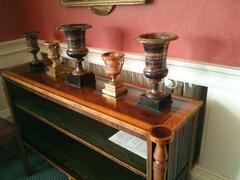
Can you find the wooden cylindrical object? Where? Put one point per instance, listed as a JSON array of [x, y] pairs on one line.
[[161, 136]]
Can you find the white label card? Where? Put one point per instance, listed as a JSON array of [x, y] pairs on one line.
[[131, 143]]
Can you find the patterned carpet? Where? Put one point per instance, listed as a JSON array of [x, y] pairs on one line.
[[40, 169]]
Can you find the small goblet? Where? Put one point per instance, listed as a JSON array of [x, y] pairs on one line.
[[114, 62], [56, 70]]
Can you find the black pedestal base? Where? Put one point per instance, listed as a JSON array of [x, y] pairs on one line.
[[80, 81], [155, 104], [37, 67]]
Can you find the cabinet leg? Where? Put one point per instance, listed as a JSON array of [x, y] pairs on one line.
[[23, 156], [161, 136], [160, 162]]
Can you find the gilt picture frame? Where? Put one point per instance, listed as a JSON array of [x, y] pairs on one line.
[[71, 3]]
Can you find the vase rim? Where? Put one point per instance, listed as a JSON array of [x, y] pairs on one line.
[[74, 27], [157, 37], [30, 33], [113, 54], [160, 133], [51, 42]]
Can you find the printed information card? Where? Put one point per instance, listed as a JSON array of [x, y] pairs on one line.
[[131, 143]]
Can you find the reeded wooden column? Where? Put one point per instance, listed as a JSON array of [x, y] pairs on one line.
[[161, 136]]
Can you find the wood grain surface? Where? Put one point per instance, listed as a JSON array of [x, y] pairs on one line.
[[121, 113]]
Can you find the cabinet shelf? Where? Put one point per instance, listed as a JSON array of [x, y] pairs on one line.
[[72, 156], [83, 129]]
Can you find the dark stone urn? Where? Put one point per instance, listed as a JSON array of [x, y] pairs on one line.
[[32, 47], [156, 48], [75, 34]]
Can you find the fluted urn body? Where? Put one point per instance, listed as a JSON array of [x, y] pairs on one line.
[[75, 34], [114, 62], [32, 47], [53, 52], [156, 49], [56, 70]]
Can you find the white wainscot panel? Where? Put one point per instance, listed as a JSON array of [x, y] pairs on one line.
[[11, 53], [13, 59], [221, 150], [3, 100]]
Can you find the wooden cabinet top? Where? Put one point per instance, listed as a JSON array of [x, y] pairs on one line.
[[122, 113]]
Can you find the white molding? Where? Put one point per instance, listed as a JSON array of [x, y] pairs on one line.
[[205, 126], [10, 51], [5, 113], [204, 74], [200, 173], [13, 53], [13, 46]]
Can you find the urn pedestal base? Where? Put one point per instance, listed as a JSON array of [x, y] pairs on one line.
[[155, 104], [37, 67], [114, 90], [56, 72], [83, 80]]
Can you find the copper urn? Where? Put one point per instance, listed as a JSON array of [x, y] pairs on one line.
[[114, 62], [55, 71]]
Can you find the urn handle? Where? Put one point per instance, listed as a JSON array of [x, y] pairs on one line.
[[56, 50], [170, 83], [122, 62]]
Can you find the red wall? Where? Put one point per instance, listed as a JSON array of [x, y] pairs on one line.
[[10, 25], [209, 30]]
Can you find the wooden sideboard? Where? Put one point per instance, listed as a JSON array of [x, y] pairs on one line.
[[70, 128]]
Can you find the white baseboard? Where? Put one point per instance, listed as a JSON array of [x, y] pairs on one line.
[[5, 113], [199, 173]]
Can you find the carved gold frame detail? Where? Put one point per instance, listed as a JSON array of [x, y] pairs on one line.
[[100, 7]]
